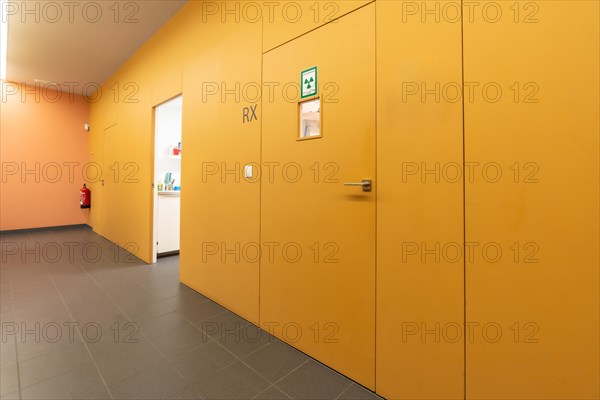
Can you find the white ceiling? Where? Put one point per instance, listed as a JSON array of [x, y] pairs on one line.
[[79, 41]]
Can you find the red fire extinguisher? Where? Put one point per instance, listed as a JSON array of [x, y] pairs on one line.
[[84, 197]]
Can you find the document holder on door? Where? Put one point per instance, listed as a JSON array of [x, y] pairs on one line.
[[309, 113]]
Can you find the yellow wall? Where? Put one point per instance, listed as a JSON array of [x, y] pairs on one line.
[[220, 209], [201, 50], [286, 20], [542, 212], [418, 293], [160, 70]]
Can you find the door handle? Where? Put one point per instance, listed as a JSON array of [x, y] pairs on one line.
[[366, 184]]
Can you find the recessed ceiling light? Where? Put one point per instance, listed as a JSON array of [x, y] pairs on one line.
[[45, 82], [3, 37]]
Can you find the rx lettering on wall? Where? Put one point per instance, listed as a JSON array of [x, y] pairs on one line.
[[249, 114]]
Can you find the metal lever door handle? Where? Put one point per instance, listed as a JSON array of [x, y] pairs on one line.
[[365, 184]]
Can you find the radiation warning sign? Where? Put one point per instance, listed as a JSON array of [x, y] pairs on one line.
[[308, 82]]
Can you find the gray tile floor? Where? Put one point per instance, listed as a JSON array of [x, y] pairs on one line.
[[82, 319]]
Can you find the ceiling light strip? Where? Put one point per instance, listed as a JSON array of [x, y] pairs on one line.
[[3, 38]]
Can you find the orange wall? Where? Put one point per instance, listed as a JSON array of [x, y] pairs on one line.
[[43, 153]]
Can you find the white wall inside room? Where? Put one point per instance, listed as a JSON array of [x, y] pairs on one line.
[[167, 136]]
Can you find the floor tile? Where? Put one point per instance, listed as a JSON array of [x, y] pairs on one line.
[[9, 377], [222, 324], [83, 292], [142, 312], [129, 295], [163, 324], [5, 286], [272, 393], [82, 383], [185, 299], [357, 392], [162, 291], [119, 361], [41, 311], [58, 362], [179, 341], [186, 394], [8, 352], [203, 361], [275, 360], [324, 383], [234, 382], [114, 328], [36, 289], [8, 317], [157, 382], [203, 312], [45, 338], [6, 307], [245, 341]]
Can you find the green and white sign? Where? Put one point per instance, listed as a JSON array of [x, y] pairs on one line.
[[308, 82]]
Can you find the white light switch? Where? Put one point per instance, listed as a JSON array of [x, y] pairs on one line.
[[248, 171]]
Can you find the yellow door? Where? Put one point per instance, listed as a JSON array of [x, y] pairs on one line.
[[112, 184], [420, 273], [317, 280]]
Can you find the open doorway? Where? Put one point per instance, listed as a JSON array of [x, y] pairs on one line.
[[167, 177]]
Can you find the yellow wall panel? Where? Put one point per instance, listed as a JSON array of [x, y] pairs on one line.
[[220, 209], [125, 160], [286, 20], [532, 127], [419, 211], [180, 59]]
